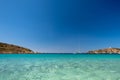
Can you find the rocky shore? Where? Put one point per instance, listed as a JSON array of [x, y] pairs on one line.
[[106, 50], [10, 48]]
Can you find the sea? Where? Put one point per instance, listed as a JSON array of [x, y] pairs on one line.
[[59, 66]]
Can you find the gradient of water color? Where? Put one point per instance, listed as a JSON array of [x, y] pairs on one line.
[[59, 67]]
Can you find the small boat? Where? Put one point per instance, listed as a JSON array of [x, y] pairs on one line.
[[77, 52]]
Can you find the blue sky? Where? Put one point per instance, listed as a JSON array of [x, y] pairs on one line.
[[60, 25]]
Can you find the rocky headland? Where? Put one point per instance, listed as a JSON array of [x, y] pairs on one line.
[[10, 48], [106, 51]]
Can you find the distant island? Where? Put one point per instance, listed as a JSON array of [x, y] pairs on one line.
[[10, 48], [106, 51], [6, 48]]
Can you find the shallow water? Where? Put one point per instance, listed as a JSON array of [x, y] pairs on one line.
[[59, 67]]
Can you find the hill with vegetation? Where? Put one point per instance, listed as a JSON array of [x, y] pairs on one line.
[[10, 48], [107, 50]]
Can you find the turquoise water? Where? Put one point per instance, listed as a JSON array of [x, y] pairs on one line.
[[59, 67]]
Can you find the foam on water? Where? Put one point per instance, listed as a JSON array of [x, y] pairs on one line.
[[59, 67]]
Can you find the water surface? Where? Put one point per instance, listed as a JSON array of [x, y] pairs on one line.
[[59, 67]]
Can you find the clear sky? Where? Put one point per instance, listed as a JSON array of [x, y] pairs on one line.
[[60, 25]]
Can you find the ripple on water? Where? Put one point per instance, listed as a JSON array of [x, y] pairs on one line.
[[59, 69]]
